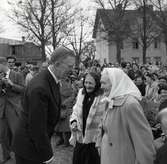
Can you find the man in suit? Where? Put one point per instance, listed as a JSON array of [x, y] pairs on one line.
[[11, 89], [41, 111]]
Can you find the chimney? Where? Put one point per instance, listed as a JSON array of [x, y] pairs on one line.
[[23, 38]]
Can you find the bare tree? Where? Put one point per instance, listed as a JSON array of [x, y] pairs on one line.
[[145, 29], [43, 20], [61, 16], [118, 28], [32, 17], [78, 33], [160, 15]]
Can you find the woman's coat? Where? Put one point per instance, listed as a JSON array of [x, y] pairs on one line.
[[94, 118], [128, 138]]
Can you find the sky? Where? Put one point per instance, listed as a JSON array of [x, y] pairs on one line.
[[11, 30]]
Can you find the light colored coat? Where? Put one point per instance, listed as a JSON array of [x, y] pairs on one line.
[[94, 118], [129, 136]]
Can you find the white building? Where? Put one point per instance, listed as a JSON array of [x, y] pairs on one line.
[[131, 49]]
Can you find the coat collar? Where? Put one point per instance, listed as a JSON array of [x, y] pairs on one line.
[[120, 100]]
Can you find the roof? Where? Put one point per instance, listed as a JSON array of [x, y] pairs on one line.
[[10, 41], [106, 15]]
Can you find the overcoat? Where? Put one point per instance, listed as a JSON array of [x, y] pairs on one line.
[[127, 136]]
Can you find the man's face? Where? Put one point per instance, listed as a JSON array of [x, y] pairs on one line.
[[11, 63], [65, 66]]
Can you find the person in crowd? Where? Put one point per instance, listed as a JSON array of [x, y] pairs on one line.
[[124, 67], [11, 91], [151, 87], [67, 96], [162, 80], [43, 66], [11, 60], [161, 143], [126, 136], [41, 111], [85, 119], [32, 72], [139, 81]]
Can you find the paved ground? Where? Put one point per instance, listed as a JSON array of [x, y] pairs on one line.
[[63, 154]]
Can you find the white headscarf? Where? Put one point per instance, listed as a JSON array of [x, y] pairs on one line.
[[121, 85]]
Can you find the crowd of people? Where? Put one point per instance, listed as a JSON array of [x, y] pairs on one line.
[[110, 113]]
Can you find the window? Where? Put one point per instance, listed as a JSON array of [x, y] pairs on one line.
[[135, 44], [122, 45], [13, 50], [156, 43]]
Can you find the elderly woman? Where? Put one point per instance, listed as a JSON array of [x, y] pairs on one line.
[[126, 134], [85, 119]]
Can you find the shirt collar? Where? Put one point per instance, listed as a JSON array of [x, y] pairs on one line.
[[53, 75]]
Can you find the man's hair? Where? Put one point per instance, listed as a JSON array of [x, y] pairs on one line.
[[11, 57], [60, 54]]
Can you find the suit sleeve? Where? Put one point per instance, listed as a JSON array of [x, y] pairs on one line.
[[76, 107], [140, 133], [37, 120]]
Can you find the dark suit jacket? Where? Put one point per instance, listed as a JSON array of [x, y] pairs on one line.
[[41, 111], [12, 96]]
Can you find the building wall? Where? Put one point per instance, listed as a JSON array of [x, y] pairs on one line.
[[4, 50], [102, 47], [128, 53], [27, 52]]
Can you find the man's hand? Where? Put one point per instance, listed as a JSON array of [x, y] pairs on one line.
[[7, 82]]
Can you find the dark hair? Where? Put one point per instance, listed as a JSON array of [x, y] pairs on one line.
[[11, 57], [60, 54], [97, 91], [150, 75], [123, 64]]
